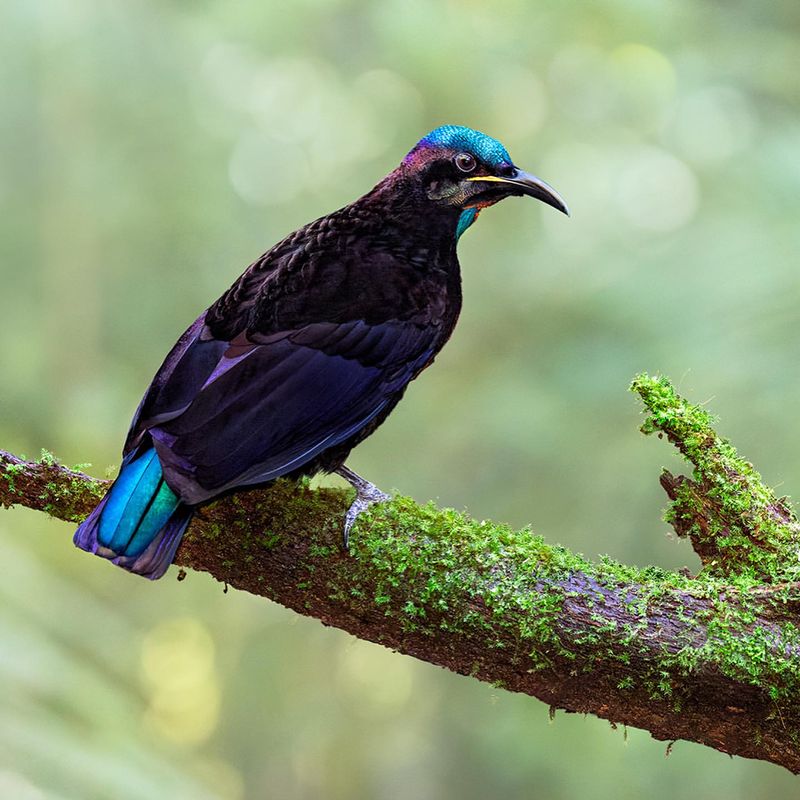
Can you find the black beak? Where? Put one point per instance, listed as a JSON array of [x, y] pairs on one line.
[[528, 184], [536, 187]]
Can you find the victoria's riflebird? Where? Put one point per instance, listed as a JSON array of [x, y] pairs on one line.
[[308, 352]]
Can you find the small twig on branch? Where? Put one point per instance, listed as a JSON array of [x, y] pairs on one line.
[[714, 659]]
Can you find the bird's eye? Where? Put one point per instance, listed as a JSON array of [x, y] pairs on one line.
[[465, 162]]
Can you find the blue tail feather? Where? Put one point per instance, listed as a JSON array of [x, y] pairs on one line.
[[139, 524]]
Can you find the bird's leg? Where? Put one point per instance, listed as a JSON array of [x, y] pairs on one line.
[[366, 494]]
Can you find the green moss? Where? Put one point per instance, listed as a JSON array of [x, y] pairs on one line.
[[539, 606], [70, 498], [470, 577], [47, 459], [458, 568], [10, 474], [437, 571], [287, 508], [765, 657], [736, 523]]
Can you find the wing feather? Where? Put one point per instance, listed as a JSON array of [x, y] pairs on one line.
[[230, 413]]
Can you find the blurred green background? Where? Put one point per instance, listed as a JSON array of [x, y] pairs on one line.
[[150, 150]]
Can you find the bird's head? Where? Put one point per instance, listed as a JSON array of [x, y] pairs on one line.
[[467, 170]]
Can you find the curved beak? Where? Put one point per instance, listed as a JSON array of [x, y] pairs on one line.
[[525, 183]]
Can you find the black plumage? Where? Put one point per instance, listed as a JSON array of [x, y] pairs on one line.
[[320, 337], [311, 348]]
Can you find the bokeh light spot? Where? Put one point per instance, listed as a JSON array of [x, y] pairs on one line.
[[714, 123], [264, 172], [645, 80], [519, 104], [16, 786], [179, 675], [580, 83], [379, 681], [655, 190]]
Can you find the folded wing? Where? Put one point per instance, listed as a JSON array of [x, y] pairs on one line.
[[231, 413]]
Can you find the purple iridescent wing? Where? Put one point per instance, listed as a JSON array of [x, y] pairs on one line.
[[224, 414]]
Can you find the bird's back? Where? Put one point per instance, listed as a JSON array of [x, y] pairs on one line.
[[306, 353], [360, 262]]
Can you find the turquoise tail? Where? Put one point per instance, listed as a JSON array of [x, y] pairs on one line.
[[138, 525]]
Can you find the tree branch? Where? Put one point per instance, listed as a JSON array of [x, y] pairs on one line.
[[712, 659]]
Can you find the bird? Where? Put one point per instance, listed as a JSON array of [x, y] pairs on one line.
[[308, 352]]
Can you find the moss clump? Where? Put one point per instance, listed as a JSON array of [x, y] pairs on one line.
[[47, 459], [10, 473], [456, 570], [47, 486], [740, 647], [286, 508], [735, 522], [436, 571], [71, 499]]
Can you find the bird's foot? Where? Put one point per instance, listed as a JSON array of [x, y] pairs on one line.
[[366, 495]]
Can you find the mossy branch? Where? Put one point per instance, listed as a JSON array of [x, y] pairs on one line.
[[735, 523], [713, 659]]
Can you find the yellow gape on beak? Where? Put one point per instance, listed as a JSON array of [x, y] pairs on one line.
[[525, 183]]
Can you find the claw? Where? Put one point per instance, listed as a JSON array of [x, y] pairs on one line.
[[366, 495]]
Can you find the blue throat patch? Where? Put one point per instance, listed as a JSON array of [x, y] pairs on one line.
[[467, 217]]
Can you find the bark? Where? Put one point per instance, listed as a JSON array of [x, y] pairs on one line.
[[713, 658]]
